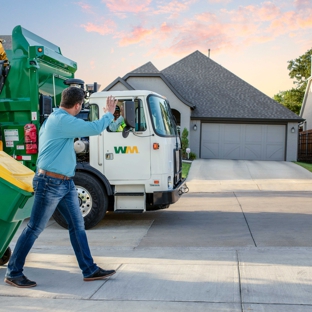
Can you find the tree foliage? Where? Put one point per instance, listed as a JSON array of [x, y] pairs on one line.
[[292, 99], [300, 71]]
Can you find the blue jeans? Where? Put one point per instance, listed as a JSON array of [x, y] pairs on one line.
[[49, 194]]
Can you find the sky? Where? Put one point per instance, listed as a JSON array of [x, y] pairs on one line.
[[109, 38]]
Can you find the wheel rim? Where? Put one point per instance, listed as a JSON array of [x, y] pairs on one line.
[[85, 200]]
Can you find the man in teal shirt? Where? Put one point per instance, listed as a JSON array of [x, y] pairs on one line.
[[54, 186]]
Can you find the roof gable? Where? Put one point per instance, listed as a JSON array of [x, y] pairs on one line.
[[116, 81]]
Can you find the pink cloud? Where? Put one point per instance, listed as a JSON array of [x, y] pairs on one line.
[[193, 36], [247, 25], [268, 20], [302, 3], [305, 22], [267, 12], [173, 8], [85, 7], [137, 35], [206, 17], [291, 21], [165, 28], [216, 30], [219, 1], [133, 6], [107, 28], [252, 13], [165, 32]]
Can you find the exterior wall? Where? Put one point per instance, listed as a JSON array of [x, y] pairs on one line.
[[118, 87], [292, 142], [157, 85], [194, 137], [306, 110]]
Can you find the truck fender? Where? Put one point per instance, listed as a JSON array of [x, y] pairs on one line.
[[87, 168]]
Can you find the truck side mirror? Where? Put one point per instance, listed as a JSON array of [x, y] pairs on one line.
[[129, 113]]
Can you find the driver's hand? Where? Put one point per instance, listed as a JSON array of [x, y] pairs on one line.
[[111, 103]]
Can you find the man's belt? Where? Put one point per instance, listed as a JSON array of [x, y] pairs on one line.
[[53, 175]]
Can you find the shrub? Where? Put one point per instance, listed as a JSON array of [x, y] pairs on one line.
[[192, 156], [184, 143]]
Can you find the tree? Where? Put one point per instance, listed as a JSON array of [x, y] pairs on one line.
[[300, 70], [292, 99]]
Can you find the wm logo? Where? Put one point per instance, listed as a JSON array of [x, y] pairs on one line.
[[126, 149]]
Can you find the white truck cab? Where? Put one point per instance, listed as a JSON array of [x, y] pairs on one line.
[[134, 170]]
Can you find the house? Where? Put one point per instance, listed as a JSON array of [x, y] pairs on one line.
[[226, 117], [306, 108]]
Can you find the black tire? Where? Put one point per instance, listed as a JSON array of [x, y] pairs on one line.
[[93, 200], [6, 257]]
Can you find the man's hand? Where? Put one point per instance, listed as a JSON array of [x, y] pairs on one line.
[[111, 103]]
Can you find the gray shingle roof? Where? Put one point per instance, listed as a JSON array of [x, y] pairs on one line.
[[147, 68], [218, 93]]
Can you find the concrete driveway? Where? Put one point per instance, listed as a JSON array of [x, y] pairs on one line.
[[215, 175]]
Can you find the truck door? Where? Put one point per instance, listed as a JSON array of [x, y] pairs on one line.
[[128, 158]]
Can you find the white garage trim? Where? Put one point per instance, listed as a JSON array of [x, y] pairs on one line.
[[243, 141]]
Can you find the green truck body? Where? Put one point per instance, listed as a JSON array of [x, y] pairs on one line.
[[32, 80]]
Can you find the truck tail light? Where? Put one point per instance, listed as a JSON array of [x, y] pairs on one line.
[[30, 133]]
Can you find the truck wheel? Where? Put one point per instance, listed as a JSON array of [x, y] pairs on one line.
[[93, 200], [6, 257]]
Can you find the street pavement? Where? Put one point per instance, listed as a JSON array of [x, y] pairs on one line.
[[240, 240]]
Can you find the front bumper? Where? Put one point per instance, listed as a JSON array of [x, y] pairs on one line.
[[168, 197]]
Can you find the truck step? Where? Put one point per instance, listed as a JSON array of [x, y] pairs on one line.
[[129, 211], [129, 194]]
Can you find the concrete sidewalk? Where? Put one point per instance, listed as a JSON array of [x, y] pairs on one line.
[[193, 279]]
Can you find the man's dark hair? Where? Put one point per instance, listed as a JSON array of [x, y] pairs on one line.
[[71, 96]]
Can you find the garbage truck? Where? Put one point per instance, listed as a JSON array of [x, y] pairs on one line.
[[138, 169]]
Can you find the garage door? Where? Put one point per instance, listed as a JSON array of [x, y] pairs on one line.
[[243, 141]]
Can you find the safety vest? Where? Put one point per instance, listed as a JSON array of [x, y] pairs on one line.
[[121, 126]]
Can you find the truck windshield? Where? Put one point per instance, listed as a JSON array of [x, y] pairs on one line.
[[161, 116]]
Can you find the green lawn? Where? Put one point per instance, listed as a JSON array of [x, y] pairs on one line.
[[308, 166], [185, 169]]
